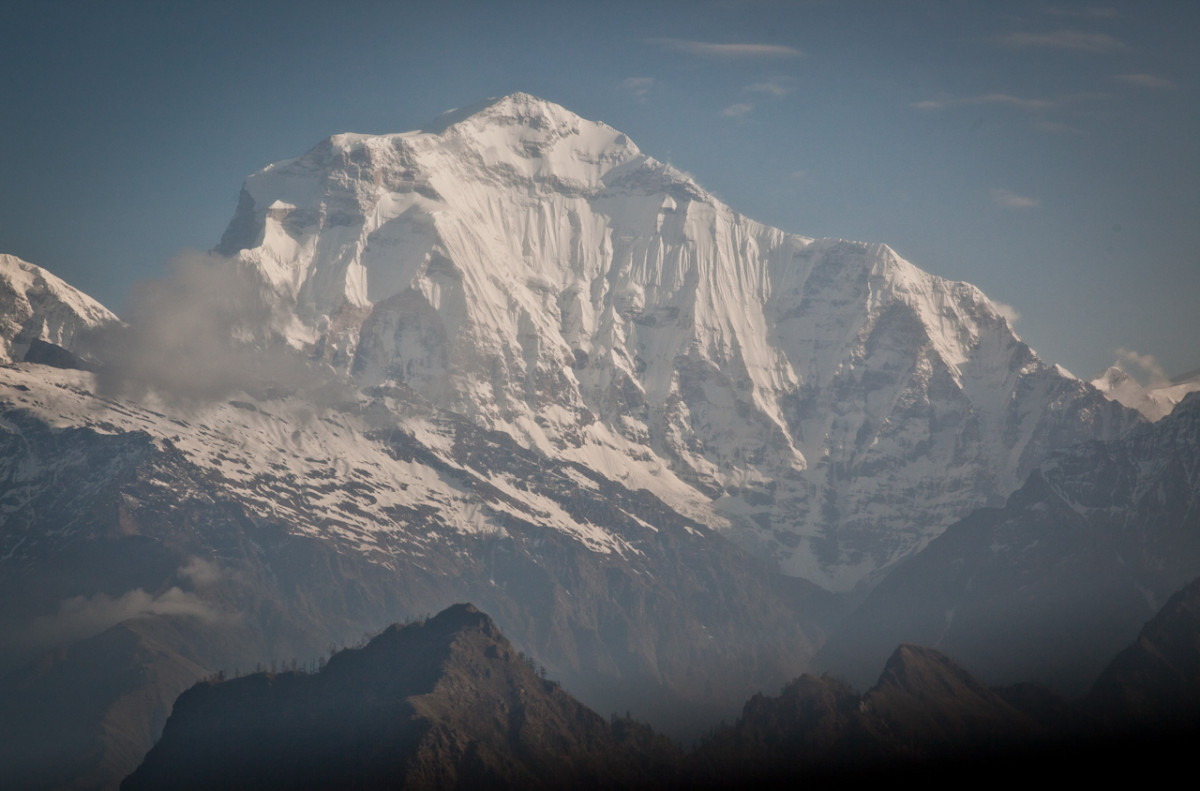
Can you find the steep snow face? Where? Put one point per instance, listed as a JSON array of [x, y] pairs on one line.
[[1155, 401], [831, 404], [36, 305]]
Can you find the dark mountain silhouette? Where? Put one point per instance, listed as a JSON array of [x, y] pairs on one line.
[[924, 709], [446, 703], [1154, 685], [449, 703]]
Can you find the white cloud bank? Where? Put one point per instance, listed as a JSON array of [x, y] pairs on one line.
[[208, 330]]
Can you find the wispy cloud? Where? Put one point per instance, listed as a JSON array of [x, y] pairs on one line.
[[639, 87], [1151, 81], [202, 573], [1077, 40], [1010, 314], [204, 332], [1006, 199], [737, 110], [1008, 100], [1146, 365], [776, 86], [1001, 99], [708, 49], [81, 617]]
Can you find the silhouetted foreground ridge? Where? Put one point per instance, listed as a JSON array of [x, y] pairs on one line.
[[447, 703]]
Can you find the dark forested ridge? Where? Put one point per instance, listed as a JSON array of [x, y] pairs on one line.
[[444, 703], [449, 703]]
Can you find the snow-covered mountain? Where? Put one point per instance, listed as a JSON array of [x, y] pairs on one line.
[[536, 272], [1155, 400], [37, 306], [507, 359]]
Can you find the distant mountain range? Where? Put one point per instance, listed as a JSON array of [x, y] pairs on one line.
[[511, 359], [1156, 400], [926, 713]]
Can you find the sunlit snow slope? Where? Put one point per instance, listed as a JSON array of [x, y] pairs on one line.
[[37, 306], [830, 404]]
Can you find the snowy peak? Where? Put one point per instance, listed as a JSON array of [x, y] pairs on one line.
[[1155, 400], [535, 272], [37, 306]]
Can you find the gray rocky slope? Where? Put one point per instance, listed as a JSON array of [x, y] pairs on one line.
[[1050, 586]]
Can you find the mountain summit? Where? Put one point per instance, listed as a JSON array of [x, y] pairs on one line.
[[536, 272]]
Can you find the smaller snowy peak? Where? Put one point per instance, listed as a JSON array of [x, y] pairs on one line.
[[1155, 400], [37, 306], [955, 317], [1113, 379]]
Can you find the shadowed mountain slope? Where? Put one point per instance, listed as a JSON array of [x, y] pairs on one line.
[[1049, 587], [1155, 683], [447, 703], [924, 710]]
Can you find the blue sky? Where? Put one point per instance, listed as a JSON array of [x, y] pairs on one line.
[[1046, 152]]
